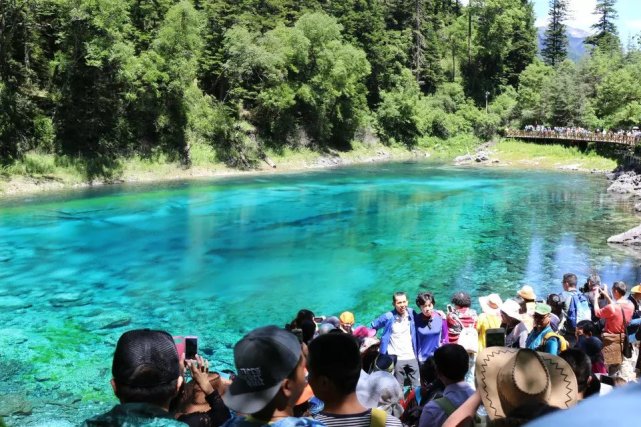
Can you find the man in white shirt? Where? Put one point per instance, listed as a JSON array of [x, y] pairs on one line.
[[399, 340]]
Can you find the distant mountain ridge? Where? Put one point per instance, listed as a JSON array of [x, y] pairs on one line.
[[576, 37]]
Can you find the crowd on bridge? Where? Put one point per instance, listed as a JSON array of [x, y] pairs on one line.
[[628, 135], [525, 359]]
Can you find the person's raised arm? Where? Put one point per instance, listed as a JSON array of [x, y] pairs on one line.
[[379, 322], [199, 369]]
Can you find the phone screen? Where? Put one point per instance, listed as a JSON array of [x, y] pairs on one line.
[[191, 347], [606, 379], [495, 337]]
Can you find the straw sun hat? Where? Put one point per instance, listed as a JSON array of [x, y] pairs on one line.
[[491, 304], [508, 378], [527, 293]]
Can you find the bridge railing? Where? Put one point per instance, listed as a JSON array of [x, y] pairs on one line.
[[575, 136]]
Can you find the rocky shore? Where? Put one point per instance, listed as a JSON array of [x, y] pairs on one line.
[[627, 184]]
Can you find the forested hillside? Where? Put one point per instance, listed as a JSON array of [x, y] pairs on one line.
[[100, 80]]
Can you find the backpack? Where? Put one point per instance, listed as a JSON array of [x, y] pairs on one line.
[[563, 343], [446, 405], [412, 413], [469, 339], [578, 310]]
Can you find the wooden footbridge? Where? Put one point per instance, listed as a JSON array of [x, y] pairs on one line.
[[569, 136], [617, 146]]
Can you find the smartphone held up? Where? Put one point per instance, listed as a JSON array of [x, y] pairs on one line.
[[187, 345]]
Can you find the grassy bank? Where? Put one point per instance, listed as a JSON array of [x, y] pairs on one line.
[[545, 156], [38, 172]]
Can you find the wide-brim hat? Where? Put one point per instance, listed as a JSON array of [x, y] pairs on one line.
[[526, 292], [512, 309], [636, 289], [372, 387], [364, 332], [491, 304], [507, 378]]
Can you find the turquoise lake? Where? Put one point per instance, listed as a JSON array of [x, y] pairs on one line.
[[217, 258]]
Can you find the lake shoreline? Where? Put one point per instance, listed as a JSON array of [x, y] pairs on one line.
[[21, 185]]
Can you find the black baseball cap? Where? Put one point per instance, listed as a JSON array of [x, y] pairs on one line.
[[145, 358], [263, 358]]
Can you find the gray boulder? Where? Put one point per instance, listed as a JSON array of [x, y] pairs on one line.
[[482, 156], [626, 183], [463, 159], [631, 237]]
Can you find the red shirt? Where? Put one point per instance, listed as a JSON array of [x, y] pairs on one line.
[[613, 315]]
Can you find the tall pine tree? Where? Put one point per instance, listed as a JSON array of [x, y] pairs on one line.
[[606, 36], [556, 40]]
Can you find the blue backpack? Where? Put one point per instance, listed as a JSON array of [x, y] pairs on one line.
[[578, 310]]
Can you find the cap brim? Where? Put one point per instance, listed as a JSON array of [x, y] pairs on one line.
[[249, 403]]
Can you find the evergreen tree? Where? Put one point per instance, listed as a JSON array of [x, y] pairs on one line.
[[556, 40], [607, 37]]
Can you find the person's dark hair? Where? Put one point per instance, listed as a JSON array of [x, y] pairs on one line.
[[570, 279], [462, 299], [308, 327], [594, 387], [593, 280], [398, 294], [554, 301], [428, 371], [301, 316], [452, 361], [424, 297], [158, 395], [586, 326], [620, 287], [336, 357], [581, 366]]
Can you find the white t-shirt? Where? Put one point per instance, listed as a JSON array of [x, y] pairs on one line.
[[400, 343]]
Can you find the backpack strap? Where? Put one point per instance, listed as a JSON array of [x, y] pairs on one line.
[[446, 405], [378, 418], [417, 395], [562, 341]]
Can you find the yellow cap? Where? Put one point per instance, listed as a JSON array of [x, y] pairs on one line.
[[347, 317]]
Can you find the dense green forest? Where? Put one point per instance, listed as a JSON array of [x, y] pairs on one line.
[[101, 80]]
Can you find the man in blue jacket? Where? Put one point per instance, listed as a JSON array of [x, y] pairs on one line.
[[399, 340]]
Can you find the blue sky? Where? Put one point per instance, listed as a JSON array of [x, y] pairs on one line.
[[629, 22]]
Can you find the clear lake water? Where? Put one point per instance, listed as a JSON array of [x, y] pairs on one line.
[[217, 258]]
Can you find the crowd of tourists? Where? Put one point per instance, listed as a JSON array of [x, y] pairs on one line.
[[527, 359], [574, 131]]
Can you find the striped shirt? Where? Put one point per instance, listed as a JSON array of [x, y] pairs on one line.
[[363, 419]]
